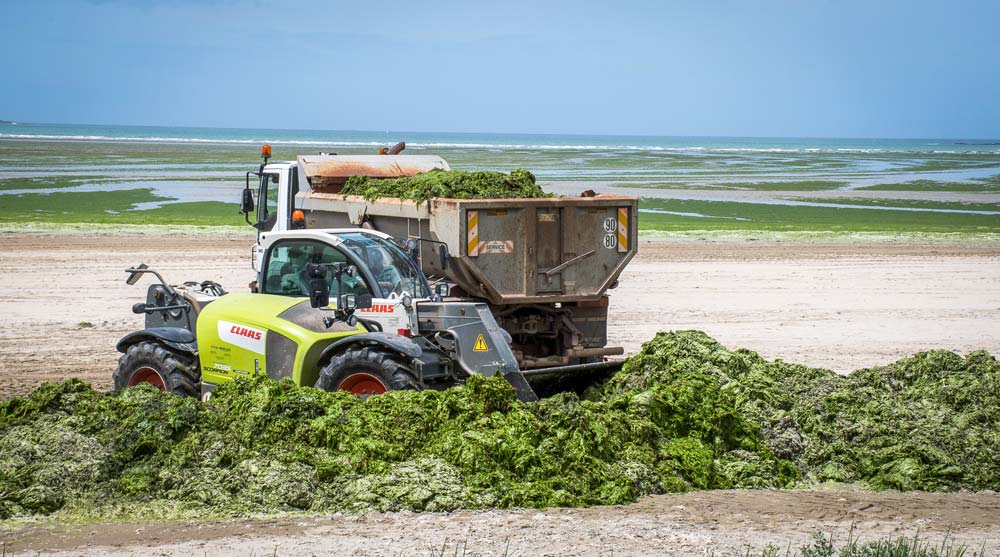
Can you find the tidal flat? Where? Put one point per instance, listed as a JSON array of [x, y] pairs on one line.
[[732, 186]]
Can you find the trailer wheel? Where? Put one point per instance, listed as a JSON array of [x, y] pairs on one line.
[[367, 371], [153, 363]]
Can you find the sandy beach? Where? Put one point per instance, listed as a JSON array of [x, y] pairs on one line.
[[841, 305], [837, 304]]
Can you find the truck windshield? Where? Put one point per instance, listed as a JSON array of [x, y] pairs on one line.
[[393, 270]]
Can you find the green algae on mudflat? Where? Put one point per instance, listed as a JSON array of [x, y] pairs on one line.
[[685, 413], [455, 184]]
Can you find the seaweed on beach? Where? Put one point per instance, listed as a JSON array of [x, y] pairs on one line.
[[455, 184], [685, 413], [928, 422]]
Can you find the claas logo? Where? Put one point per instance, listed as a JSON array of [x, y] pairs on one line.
[[244, 332], [380, 308]]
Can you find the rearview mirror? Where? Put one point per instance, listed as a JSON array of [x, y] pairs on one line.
[[135, 273], [246, 206], [319, 288], [444, 256]]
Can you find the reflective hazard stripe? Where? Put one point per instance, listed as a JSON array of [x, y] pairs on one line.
[[472, 224], [623, 229]]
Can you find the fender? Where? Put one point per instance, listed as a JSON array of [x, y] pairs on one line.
[[396, 343], [174, 337]]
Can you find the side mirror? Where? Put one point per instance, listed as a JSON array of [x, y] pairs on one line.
[[135, 273], [319, 288], [246, 205], [444, 256], [442, 289]]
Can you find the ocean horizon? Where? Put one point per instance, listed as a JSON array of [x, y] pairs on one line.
[[494, 141]]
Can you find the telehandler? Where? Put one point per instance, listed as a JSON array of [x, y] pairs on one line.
[[197, 336]]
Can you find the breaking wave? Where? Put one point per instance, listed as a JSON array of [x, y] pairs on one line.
[[684, 149]]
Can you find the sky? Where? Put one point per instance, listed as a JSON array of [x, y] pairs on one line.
[[771, 68]]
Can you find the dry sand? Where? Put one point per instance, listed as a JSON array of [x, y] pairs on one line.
[[836, 305], [702, 523], [840, 305]]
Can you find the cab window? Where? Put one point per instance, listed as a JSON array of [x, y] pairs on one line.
[[268, 206], [285, 269], [393, 270]]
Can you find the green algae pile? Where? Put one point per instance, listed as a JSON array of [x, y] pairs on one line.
[[455, 184], [685, 413], [929, 422]]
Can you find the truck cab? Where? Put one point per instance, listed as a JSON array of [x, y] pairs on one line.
[[276, 185]]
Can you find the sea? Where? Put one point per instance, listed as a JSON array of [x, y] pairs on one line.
[[495, 141]]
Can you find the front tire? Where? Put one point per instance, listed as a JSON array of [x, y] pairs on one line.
[[152, 362], [367, 371]]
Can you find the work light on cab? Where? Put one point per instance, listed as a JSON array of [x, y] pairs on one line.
[[298, 219]]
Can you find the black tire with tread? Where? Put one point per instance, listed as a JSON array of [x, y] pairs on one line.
[[179, 372], [390, 368]]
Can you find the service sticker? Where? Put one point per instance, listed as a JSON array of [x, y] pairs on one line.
[[497, 246]]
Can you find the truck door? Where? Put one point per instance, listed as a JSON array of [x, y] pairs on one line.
[[268, 211], [267, 201]]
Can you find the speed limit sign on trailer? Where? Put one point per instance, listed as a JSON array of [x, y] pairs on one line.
[[611, 240], [610, 225]]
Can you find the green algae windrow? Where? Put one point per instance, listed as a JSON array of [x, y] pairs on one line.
[[685, 413], [455, 184]]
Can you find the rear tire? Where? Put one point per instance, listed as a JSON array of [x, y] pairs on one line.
[[152, 362], [367, 371]]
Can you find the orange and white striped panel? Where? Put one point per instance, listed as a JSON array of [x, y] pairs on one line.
[[472, 226], [622, 229]]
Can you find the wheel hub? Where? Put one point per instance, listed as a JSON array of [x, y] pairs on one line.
[[363, 384], [147, 375]]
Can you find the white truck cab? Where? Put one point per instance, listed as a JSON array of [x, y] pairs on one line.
[[281, 183]]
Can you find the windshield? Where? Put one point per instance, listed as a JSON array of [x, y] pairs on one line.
[[393, 270]]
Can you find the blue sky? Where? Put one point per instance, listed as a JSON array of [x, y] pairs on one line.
[[816, 68]]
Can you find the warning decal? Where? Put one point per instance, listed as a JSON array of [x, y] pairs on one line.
[[480, 344], [496, 246]]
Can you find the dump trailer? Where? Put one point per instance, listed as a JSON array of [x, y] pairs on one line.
[[543, 266]]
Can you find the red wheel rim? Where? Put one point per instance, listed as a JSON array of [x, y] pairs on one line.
[[147, 375], [363, 384]]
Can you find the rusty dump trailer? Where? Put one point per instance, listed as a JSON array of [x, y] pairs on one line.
[[543, 265]]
